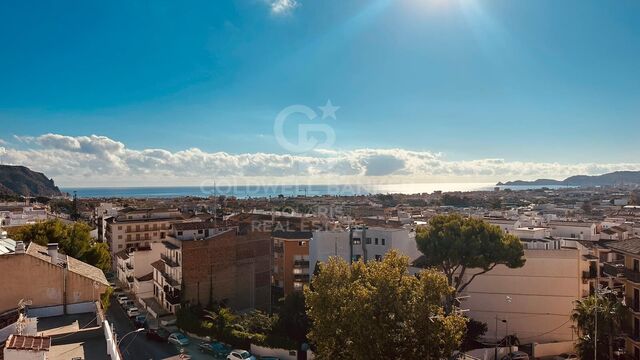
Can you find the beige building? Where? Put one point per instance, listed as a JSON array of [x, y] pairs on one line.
[[534, 302], [290, 260], [134, 228], [625, 269], [51, 281]]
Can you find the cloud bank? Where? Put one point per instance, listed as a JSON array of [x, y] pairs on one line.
[[101, 161], [282, 6]]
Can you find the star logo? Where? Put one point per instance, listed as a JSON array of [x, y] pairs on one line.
[[329, 110]]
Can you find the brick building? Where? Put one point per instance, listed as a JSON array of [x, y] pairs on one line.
[[290, 260]]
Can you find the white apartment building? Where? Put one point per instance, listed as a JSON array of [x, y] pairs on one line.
[[534, 302], [134, 270], [24, 215], [577, 230], [507, 225], [368, 243]]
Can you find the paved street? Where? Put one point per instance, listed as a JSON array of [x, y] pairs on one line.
[[136, 346]]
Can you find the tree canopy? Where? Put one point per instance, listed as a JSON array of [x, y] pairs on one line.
[[611, 316], [73, 239], [453, 244], [378, 311]]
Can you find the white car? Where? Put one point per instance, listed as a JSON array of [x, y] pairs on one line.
[[122, 298], [133, 312], [240, 355]]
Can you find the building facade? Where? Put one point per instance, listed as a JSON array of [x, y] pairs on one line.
[[290, 260]]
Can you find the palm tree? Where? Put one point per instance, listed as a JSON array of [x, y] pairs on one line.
[[611, 315]]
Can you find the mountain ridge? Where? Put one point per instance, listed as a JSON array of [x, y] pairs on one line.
[[22, 181], [608, 179]]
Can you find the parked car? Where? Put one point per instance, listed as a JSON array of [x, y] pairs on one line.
[[516, 355], [178, 338], [240, 355], [133, 312], [141, 321], [566, 356], [128, 304], [160, 335], [122, 298], [215, 348]]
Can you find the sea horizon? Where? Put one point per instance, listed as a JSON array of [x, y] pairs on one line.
[[275, 190]]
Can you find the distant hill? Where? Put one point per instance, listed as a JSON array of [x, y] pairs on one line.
[[610, 179], [19, 180]]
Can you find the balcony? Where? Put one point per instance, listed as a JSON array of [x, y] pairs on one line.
[[634, 306], [301, 264], [172, 296], [130, 279], [301, 277], [278, 248], [614, 269], [129, 266], [169, 261]]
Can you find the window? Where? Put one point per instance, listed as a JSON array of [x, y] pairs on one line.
[[162, 236], [119, 227], [383, 241], [378, 257], [302, 243], [200, 231], [129, 237], [356, 241], [297, 271], [128, 228], [119, 237], [137, 227], [179, 233], [368, 240], [376, 241], [120, 246]]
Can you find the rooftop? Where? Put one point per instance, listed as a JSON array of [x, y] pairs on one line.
[[74, 265], [292, 235], [630, 246], [32, 343]]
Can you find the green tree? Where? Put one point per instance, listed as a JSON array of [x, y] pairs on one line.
[[293, 320], [455, 244], [74, 240], [611, 317], [377, 310]]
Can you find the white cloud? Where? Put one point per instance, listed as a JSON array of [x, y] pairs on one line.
[[282, 6], [101, 161]]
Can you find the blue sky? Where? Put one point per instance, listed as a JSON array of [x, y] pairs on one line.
[[523, 81]]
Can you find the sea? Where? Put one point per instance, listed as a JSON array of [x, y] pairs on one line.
[[266, 191]]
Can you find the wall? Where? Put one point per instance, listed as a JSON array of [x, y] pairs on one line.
[[279, 353], [552, 349], [542, 295], [112, 346], [30, 278]]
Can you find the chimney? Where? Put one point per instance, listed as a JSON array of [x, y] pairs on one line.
[[52, 249], [3, 234], [19, 247]]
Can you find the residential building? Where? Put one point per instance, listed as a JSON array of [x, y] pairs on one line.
[[53, 282], [361, 242], [134, 270], [577, 230], [134, 228], [507, 225], [534, 302], [290, 260], [624, 268], [231, 266]]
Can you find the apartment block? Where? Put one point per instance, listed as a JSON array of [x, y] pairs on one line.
[[134, 228], [361, 242], [231, 266], [534, 302], [134, 270], [624, 268], [290, 260]]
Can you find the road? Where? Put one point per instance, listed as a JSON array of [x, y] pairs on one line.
[[136, 346]]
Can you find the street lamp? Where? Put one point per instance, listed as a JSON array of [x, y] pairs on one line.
[[129, 333]]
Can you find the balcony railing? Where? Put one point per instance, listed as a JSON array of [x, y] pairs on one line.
[[301, 277], [169, 261], [613, 269], [173, 297], [633, 305], [301, 263]]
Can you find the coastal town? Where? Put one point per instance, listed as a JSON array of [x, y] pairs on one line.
[[175, 262]]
